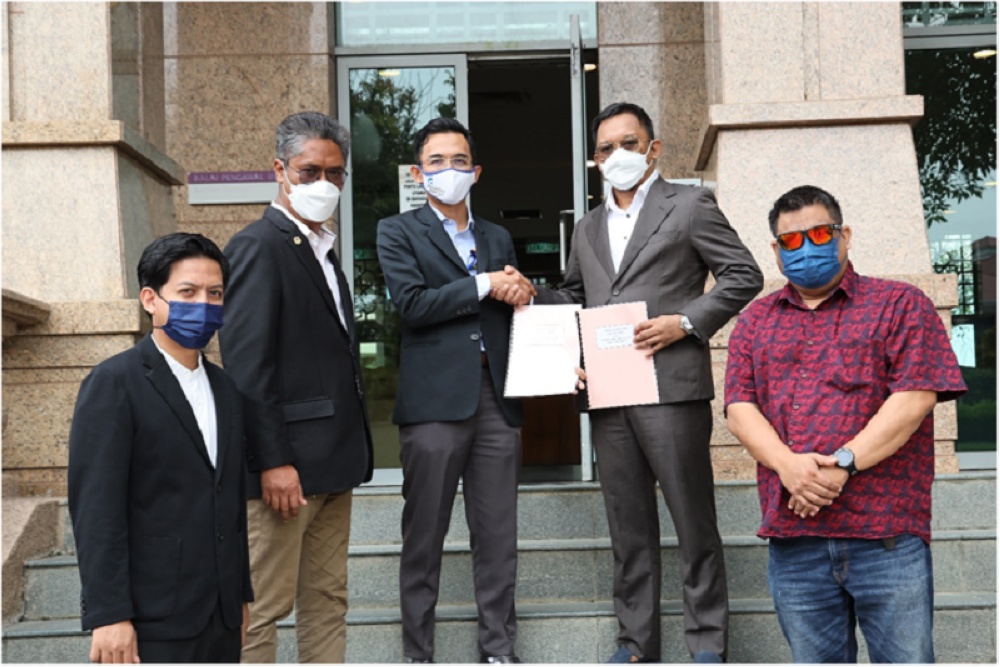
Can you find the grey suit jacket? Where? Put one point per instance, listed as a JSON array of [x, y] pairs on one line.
[[679, 237]]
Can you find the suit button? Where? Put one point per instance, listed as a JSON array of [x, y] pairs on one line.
[[474, 336], [220, 488], [617, 292], [220, 537]]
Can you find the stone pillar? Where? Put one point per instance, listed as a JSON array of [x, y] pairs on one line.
[[653, 54], [86, 186], [814, 93]]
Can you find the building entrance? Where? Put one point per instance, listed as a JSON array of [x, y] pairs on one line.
[[527, 113]]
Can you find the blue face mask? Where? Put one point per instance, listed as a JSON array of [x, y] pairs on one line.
[[811, 266], [192, 325]]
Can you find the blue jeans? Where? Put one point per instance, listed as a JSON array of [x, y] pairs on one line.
[[822, 587]]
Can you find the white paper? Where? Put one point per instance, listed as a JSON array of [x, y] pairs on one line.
[[618, 335], [544, 351]]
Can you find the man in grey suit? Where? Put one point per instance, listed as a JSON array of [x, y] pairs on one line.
[[656, 242], [440, 263]]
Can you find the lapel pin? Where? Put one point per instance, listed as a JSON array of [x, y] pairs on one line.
[[298, 240]]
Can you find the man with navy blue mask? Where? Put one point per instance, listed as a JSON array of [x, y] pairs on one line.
[[440, 263], [831, 385], [157, 477]]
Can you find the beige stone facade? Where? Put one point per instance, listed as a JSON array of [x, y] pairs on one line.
[[106, 106]]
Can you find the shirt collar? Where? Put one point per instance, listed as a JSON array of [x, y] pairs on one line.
[[176, 366], [640, 195], [326, 238], [848, 285], [441, 216]]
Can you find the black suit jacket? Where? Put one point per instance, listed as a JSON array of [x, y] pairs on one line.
[[161, 535], [296, 364], [443, 318], [679, 237]]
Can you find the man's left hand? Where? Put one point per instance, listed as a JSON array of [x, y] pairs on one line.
[[246, 624], [653, 335], [835, 474]]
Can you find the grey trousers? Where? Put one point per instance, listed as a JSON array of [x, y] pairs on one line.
[[485, 452], [636, 447]]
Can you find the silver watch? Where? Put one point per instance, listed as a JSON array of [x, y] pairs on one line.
[[687, 326]]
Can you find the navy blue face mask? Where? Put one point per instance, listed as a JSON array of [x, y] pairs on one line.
[[191, 324], [811, 266]]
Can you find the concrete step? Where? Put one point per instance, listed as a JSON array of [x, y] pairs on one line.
[[964, 631], [575, 510], [549, 571]]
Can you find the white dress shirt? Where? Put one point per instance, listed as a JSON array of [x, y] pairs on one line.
[[198, 392], [621, 223], [321, 245]]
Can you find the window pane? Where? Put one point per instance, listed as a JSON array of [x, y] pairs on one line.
[[940, 14], [956, 154], [393, 23]]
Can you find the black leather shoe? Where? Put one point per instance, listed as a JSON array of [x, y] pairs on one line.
[[499, 659]]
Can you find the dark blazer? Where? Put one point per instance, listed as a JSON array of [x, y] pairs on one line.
[[442, 317], [161, 535], [679, 237], [297, 366]]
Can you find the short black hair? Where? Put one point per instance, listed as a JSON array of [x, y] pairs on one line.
[[158, 258], [617, 109], [442, 126], [799, 198]]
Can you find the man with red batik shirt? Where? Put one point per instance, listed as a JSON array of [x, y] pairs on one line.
[[831, 386]]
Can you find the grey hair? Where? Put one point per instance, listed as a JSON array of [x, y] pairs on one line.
[[300, 127]]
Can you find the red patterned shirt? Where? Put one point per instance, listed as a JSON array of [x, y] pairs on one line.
[[819, 376]]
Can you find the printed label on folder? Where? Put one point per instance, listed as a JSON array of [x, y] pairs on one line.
[[618, 335]]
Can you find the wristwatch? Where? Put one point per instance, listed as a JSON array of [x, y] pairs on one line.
[[687, 326], [845, 460]]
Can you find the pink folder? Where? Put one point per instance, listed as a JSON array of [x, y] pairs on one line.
[[618, 374]]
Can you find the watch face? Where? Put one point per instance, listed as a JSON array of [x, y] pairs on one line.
[[844, 457]]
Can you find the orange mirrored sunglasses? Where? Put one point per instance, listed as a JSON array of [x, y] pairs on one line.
[[819, 235]]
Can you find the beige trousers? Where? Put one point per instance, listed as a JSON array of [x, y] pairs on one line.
[[300, 564]]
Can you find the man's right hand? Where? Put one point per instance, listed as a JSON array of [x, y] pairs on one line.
[[115, 643], [511, 287], [282, 491], [800, 474]]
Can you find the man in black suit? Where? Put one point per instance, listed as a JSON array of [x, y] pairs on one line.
[[157, 478], [290, 344], [656, 242], [439, 263]]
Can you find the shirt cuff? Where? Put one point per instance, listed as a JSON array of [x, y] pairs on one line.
[[483, 285]]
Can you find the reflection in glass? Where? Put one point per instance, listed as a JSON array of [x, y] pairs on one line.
[[939, 14], [383, 23], [956, 153], [387, 107]]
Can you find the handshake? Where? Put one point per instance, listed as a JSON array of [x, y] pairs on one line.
[[511, 287]]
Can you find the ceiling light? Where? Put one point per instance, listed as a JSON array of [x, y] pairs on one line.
[[990, 184], [589, 67], [591, 164], [388, 72], [984, 54], [947, 211]]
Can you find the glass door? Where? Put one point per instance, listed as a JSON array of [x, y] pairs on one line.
[[383, 101]]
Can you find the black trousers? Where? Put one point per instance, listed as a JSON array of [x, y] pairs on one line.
[[216, 643], [485, 452]]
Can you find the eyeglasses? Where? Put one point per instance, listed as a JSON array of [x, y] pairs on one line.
[[818, 235], [335, 175], [630, 143], [438, 162]]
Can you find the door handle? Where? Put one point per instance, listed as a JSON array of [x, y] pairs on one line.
[[563, 215]]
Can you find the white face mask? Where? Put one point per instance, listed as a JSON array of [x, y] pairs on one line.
[[624, 168], [449, 186], [314, 201]]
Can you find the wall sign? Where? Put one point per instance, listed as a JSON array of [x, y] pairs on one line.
[[411, 193], [232, 187]]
